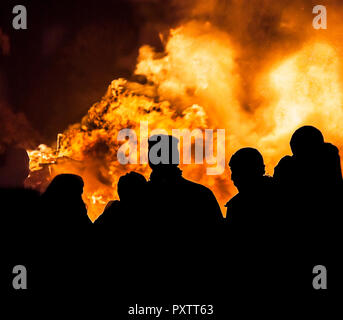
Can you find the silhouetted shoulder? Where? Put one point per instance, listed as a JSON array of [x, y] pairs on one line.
[[111, 213], [285, 161], [232, 203], [199, 188], [331, 150], [203, 197], [268, 181], [283, 167], [196, 186], [329, 147]]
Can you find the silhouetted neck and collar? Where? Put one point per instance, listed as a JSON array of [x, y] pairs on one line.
[[166, 175], [256, 189], [257, 185]]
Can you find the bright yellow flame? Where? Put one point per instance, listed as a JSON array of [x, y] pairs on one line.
[[195, 84], [306, 88]]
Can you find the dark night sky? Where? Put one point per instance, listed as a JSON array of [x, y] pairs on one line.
[[64, 61]]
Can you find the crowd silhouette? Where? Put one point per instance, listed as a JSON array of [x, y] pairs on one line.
[[172, 229]]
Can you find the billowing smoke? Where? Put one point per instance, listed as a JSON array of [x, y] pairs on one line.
[[15, 129], [257, 69]]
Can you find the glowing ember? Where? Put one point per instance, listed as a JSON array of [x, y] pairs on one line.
[[43, 155]]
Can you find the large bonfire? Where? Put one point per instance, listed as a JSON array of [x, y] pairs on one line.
[[196, 84]]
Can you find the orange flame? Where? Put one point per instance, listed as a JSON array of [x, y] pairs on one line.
[[196, 84]]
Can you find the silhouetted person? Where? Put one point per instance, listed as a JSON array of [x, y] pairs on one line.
[[68, 234], [252, 211], [311, 182], [253, 224], [122, 228], [303, 167], [63, 204], [175, 201], [126, 212], [182, 218]]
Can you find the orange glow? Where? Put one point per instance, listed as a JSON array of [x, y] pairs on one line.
[[196, 84]]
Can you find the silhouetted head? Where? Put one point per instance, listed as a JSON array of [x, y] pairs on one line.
[[131, 186], [163, 152], [246, 166], [65, 184], [63, 197], [15, 168], [65, 190], [306, 141]]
